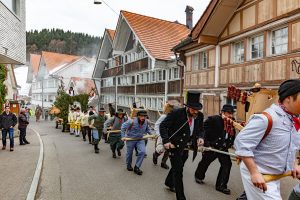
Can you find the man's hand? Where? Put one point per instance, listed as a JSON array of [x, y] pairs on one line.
[[259, 181], [168, 145], [296, 171], [200, 142]]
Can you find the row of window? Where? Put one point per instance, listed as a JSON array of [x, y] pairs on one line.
[[157, 76], [128, 58], [278, 41], [47, 98], [107, 99], [147, 102], [50, 83], [145, 77]]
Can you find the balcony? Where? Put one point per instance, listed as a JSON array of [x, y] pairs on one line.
[[116, 71], [137, 66]]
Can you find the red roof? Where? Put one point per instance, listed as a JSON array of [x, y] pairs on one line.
[[157, 35], [83, 85], [111, 33], [35, 62], [53, 60]]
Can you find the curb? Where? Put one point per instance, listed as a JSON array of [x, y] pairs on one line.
[[37, 174]]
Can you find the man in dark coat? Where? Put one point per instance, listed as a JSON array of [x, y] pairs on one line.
[[8, 120], [217, 137], [23, 123], [181, 128], [112, 110]]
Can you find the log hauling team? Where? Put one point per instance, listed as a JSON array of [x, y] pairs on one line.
[[267, 145]]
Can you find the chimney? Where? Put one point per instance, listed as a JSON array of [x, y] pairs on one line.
[[189, 16]]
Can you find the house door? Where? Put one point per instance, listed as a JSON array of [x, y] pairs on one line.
[[211, 105]]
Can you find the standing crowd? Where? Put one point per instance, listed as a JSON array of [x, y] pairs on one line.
[[8, 121]]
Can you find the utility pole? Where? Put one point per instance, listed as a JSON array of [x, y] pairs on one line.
[[42, 99]]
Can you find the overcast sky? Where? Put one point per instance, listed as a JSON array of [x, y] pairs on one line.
[[84, 16]]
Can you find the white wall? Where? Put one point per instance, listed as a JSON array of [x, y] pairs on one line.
[[74, 70], [13, 34]]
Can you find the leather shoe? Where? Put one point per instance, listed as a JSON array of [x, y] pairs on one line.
[[96, 150], [26, 142], [164, 165], [199, 181], [223, 190], [119, 152], [137, 171], [11, 149], [4, 147], [172, 189], [129, 168], [114, 155]]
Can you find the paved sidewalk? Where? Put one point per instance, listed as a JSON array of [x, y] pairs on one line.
[[17, 168]]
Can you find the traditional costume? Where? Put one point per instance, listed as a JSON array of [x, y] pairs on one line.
[[114, 138]]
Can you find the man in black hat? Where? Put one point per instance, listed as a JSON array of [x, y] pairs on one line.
[[217, 136], [269, 143], [181, 128]]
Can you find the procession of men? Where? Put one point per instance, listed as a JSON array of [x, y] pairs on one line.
[[267, 145]]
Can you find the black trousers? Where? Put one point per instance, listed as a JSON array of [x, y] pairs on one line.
[[89, 132], [207, 158], [84, 132], [22, 136], [174, 178]]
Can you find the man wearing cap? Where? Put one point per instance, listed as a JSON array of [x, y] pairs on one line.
[[115, 138], [96, 124], [182, 127], [136, 128], [274, 153], [217, 136]]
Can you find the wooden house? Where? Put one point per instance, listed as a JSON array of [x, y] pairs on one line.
[[136, 64], [241, 42]]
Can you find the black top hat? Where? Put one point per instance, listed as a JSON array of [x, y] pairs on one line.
[[193, 100], [142, 113], [228, 108], [101, 110], [120, 111]]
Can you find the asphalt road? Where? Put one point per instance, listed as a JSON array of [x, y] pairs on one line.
[[72, 171]]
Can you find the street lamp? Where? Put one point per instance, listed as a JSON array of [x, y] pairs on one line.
[[97, 2]]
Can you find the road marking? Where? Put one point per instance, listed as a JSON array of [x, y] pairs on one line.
[[35, 181]]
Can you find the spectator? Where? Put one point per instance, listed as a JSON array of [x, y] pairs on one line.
[[46, 115], [8, 121], [112, 110], [23, 122]]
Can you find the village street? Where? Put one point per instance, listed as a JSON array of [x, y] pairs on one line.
[[72, 171]]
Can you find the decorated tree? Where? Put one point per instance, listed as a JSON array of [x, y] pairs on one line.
[[64, 101]]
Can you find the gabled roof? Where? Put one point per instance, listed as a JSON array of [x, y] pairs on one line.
[[111, 34], [82, 85], [158, 36], [35, 63], [53, 60]]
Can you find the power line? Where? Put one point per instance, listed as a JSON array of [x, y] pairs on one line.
[[110, 8]]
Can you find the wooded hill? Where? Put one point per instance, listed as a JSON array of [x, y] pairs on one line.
[[59, 41]]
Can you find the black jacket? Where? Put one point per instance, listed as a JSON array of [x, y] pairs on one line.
[[8, 120], [214, 134], [173, 122], [23, 122]]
